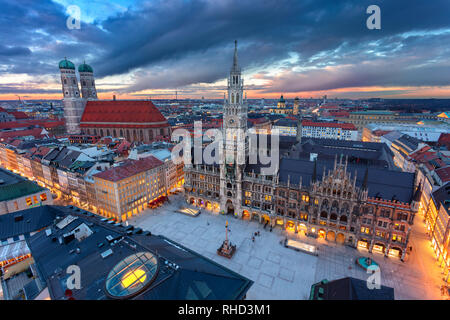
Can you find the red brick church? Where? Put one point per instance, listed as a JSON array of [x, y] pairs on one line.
[[135, 120]]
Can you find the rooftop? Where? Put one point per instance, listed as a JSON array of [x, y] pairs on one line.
[[349, 289], [171, 271], [13, 186], [382, 183], [25, 221], [129, 168], [123, 112]]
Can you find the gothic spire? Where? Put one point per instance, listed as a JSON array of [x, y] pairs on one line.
[[314, 175], [235, 58], [365, 181]]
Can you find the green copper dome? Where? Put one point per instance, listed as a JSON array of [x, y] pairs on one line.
[[85, 68], [66, 64]]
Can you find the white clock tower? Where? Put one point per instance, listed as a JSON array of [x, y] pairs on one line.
[[235, 144]]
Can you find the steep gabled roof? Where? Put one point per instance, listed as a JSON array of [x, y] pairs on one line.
[[121, 111]]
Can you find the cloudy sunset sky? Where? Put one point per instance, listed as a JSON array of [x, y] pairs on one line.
[[304, 48]]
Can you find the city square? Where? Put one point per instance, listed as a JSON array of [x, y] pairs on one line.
[[283, 273]]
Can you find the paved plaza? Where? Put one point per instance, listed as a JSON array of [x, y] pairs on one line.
[[283, 273]]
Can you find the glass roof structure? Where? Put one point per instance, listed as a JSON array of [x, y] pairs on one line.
[[132, 275]]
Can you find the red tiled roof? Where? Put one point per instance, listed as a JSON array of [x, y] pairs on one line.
[[15, 142], [123, 146], [344, 126], [121, 111], [42, 151], [32, 122], [444, 139], [35, 132], [19, 114], [444, 174], [129, 169]]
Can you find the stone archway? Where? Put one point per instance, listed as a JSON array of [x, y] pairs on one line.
[[331, 236], [208, 206], [340, 238], [379, 247], [302, 229], [230, 208], [322, 233], [395, 252], [192, 201]]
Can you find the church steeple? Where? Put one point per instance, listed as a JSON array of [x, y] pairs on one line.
[[235, 111], [235, 58]]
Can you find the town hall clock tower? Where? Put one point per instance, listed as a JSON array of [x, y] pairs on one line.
[[235, 142]]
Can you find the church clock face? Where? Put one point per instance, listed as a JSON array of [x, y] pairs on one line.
[[231, 122]]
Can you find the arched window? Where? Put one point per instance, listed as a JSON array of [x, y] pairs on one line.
[[121, 133], [232, 98], [101, 132], [237, 97]]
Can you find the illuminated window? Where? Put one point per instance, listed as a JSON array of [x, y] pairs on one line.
[[29, 202], [365, 230], [35, 199], [132, 275]]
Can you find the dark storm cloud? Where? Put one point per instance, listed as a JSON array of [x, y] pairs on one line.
[[13, 51], [175, 43]]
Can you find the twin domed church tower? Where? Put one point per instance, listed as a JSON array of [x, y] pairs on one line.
[[74, 101]]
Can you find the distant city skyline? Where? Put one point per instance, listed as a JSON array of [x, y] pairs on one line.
[[151, 49]]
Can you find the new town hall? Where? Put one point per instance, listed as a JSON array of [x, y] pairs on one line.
[[344, 193]]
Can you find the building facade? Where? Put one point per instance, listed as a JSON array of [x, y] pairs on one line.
[[437, 221], [329, 130], [125, 190]]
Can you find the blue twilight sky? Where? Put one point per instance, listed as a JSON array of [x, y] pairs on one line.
[[296, 47]]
